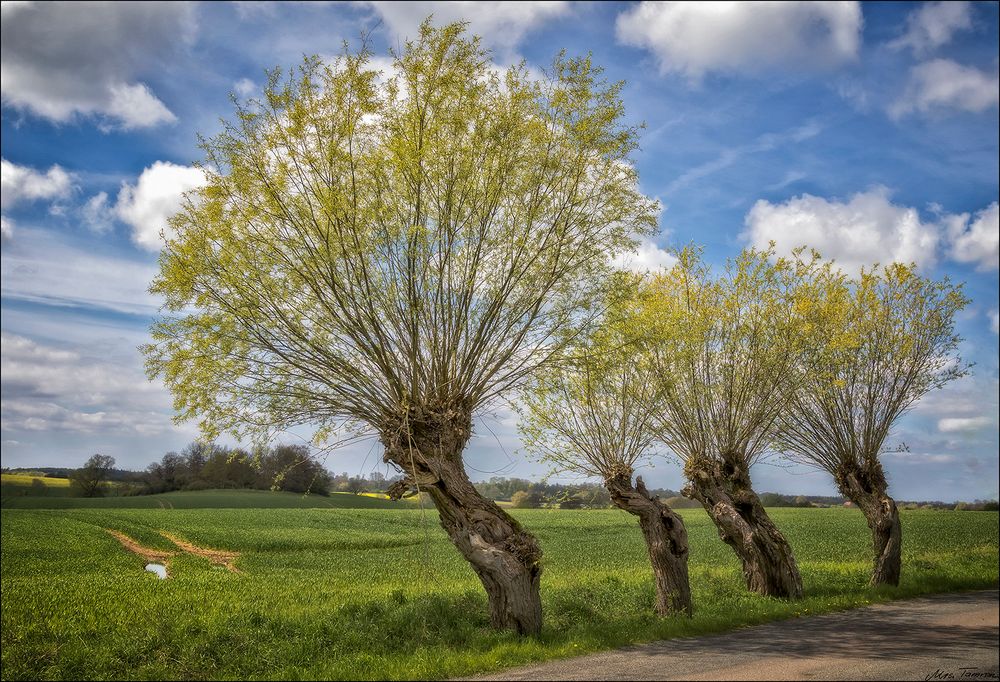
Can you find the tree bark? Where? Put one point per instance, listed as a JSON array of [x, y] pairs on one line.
[[725, 491], [666, 541], [866, 487], [428, 448]]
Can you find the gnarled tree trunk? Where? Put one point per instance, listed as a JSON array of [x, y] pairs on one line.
[[666, 540], [866, 487], [428, 447], [724, 490]]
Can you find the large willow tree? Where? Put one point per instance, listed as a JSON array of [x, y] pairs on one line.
[[392, 255], [874, 345], [595, 414], [724, 347]]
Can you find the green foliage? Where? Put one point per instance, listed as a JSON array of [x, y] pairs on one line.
[[314, 601], [593, 411], [871, 347], [723, 346], [89, 480], [365, 245]]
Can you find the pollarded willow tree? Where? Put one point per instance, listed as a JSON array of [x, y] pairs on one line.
[[873, 346], [594, 414], [394, 254], [724, 348]]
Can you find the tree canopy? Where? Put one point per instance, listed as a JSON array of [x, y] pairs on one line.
[[369, 242], [874, 345]]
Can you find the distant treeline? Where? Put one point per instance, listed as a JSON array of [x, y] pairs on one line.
[[202, 466]]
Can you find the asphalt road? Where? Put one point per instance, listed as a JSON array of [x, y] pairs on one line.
[[943, 637]]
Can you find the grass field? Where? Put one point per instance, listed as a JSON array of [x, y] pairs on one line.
[[342, 593]]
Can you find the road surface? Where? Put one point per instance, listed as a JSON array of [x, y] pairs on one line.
[[943, 637]]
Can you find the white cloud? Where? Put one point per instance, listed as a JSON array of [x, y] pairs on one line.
[[933, 25], [97, 213], [60, 60], [979, 242], [942, 85], [647, 257], [994, 316], [21, 184], [693, 38], [963, 424], [156, 196], [136, 107], [501, 24], [865, 229], [244, 87], [41, 268], [45, 388], [6, 228]]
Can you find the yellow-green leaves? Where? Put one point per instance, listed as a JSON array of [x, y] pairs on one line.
[[872, 346], [367, 242], [723, 347], [593, 412]]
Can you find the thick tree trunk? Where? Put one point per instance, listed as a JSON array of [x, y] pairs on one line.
[[725, 491], [666, 540], [428, 448], [866, 487]]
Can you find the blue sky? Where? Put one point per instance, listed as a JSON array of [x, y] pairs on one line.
[[869, 131]]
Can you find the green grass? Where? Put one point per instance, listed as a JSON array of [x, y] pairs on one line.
[[207, 499], [372, 594]]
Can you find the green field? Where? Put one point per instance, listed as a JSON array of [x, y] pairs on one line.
[[341, 593]]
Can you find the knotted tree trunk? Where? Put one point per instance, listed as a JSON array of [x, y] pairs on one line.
[[428, 447], [865, 486], [725, 491], [666, 540]]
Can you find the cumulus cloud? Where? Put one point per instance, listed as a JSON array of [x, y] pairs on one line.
[[60, 60], [933, 25], [646, 258], [979, 242], [693, 38], [501, 24], [156, 196], [941, 86], [6, 228], [866, 228], [23, 184]]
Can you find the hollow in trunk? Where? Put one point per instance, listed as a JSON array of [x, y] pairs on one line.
[[427, 446], [723, 487], [666, 541], [865, 486]]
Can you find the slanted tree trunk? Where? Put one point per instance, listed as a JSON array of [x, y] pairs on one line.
[[866, 487], [725, 491], [428, 448], [666, 541]]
